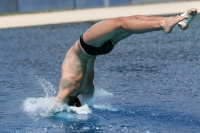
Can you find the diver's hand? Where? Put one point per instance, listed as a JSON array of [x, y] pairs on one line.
[[55, 107]]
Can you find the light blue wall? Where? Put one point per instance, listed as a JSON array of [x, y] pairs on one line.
[[8, 6], [42, 5], [89, 3], [119, 2]]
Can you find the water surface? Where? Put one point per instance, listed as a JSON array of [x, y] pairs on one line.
[[148, 83]]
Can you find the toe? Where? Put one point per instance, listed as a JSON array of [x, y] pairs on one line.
[[183, 27]]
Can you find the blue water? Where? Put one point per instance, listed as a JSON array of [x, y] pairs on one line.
[[149, 83]]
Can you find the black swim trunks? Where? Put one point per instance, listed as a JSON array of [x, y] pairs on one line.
[[91, 50]]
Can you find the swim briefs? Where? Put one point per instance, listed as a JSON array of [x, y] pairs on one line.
[[91, 50]]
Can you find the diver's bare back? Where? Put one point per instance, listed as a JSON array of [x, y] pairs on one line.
[[76, 74]]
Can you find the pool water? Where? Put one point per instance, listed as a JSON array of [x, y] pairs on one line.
[[149, 83]]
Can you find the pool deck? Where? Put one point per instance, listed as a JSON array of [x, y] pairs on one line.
[[79, 15]]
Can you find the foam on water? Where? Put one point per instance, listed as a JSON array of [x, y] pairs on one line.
[[105, 107], [39, 105]]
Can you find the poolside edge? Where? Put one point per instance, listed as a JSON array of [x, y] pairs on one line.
[[24, 20]]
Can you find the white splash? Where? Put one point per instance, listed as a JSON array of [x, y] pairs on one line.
[[97, 94], [36, 105], [106, 107], [80, 110], [47, 87], [39, 106]]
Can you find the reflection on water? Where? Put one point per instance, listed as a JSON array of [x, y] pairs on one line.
[[150, 81]]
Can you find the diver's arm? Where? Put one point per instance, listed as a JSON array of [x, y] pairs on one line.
[[55, 107]]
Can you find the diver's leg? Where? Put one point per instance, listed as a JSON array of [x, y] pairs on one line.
[[191, 11], [136, 26], [148, 18], [125, 34], [106, 30]]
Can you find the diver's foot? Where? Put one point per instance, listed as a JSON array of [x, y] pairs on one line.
[[185, 23], [170, 22]]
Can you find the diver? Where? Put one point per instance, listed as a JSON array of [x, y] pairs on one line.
[[77, 72]]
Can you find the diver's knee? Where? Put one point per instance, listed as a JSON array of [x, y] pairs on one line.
[[120, 21], [138, 16]]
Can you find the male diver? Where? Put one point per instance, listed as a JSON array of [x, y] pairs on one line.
[[77, 72]]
